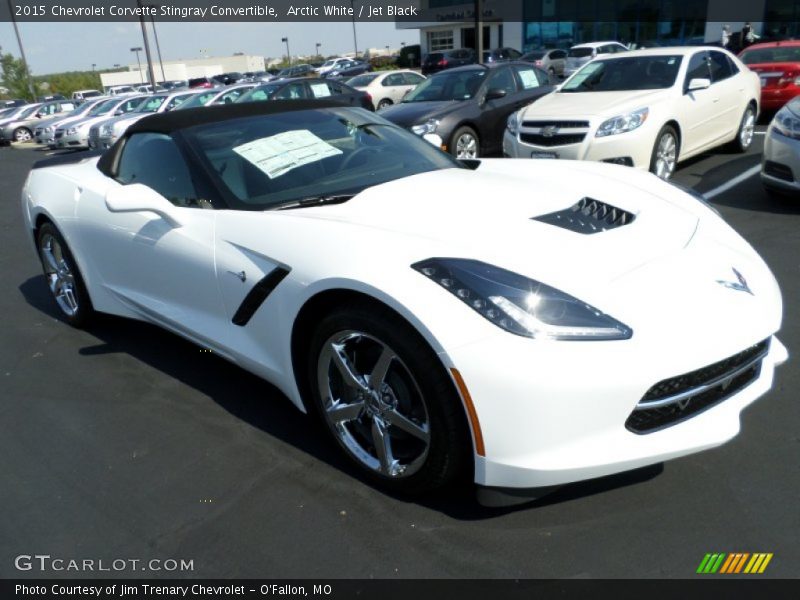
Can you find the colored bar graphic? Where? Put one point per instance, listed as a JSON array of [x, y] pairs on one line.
[[734, 563]]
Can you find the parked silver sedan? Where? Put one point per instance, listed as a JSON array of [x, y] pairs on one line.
[[76, 134], [21, 129], [553, 62], [112, 129], [780, 163], [46, 129]]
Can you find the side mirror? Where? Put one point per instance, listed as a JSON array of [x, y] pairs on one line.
[[494, 94], [698, 84], [136, 197], [118, 112]]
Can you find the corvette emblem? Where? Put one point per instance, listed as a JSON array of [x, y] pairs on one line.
[[549, 131], [740, 285]]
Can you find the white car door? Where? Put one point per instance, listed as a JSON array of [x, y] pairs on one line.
[[730, 86], [697, 109], [158, 262]]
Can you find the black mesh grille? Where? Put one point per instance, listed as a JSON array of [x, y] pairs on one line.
[[559, 124], [651, 419], [588, 216], [778, 171], [554, 140]]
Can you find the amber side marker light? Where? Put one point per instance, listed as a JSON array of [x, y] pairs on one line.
[[473, 415]]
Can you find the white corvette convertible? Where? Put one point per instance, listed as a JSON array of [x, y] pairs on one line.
[[444, 320]]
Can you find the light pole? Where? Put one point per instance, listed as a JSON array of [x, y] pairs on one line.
[[93, 66], [150, 72], [288, 54], [355, 41], [22, 53], [138, 62], [317, 48], [158, 46]]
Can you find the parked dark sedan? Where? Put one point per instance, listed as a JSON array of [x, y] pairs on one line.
[[501, 55], [308, 88], [465, 110], [447, 59], [346, 70]]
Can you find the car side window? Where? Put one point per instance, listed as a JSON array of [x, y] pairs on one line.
[[698, 68], [512, 54], [558, 55], [392, 80], [292, 91], [412, 78], [604, 49], [503, 79], [720, 67], [154, 160]]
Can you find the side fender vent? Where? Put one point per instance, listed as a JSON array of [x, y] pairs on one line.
[[588, 216]]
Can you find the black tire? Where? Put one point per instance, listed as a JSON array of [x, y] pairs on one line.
[[666, 132], [384, 103], [22, 134], [83, 310], [742, 142], [460, 134], [448, 452]]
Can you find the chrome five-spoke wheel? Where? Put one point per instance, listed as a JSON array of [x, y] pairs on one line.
[[665, 154], [373, 404], [59, 275]]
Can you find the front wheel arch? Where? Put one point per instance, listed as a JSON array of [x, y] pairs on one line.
[[312, 312]]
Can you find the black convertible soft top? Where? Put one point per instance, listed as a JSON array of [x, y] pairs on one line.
[[175, 120]]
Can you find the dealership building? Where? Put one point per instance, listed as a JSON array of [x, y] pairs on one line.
[[183, 69], [531, 24]]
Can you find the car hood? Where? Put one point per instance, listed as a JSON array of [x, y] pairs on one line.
[[591, 104], [491, 214], [407, 114]]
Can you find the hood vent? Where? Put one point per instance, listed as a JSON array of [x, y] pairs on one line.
[[588, 216]]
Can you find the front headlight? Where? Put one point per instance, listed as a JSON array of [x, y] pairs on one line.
[[106, 131], [623, 123], [428, 126], [513, 123], [520, 305], [72, 131], [787, 123]]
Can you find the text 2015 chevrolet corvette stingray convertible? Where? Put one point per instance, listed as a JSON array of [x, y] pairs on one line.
[[522, 324]]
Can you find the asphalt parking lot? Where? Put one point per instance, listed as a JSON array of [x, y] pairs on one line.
[[124, 441]]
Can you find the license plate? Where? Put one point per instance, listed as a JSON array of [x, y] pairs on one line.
[[763, 81], [544, 155]]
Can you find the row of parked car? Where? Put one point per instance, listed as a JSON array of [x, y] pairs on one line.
[[670, 103]]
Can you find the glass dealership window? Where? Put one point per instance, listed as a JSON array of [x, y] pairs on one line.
[[440, 40]]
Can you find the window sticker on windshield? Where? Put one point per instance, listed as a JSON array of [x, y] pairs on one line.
[[529, 79], [280, 153], [320, 90]]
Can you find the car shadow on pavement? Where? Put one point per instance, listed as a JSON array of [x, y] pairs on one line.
[[263, 406]]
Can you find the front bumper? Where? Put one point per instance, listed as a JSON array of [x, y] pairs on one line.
[[633, 148], [77, 140], [780, 163]]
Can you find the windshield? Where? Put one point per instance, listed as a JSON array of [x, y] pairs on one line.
[[450, 85], [625, 74], [130, 105], [533, 55], [270, 160], [362, 80], [771, 55], [151, 104], [100, 108], [580, 52], [28, 111], [197, 100], [94, 94]]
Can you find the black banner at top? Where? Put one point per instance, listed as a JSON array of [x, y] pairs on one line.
[[408, 11]]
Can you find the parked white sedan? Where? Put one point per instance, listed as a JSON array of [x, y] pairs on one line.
[[648, 109], [607, 322], [388, 87]]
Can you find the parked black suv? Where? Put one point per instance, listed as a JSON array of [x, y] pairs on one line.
[[447, 59]]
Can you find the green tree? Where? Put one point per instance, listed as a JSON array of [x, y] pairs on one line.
[[14, 73]]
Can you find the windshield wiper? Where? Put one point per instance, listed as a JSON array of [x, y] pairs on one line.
[[313, 201]]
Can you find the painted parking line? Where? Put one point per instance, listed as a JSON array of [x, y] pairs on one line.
[[733, 182]]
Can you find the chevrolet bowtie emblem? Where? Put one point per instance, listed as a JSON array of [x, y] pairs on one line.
[[740, 285]]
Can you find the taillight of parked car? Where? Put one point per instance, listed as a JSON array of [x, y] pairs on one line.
[[442, 63], [789, 77]]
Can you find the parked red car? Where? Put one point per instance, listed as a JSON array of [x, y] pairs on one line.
[[778, 66]]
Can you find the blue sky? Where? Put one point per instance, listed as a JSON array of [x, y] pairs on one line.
[[56, 47]]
